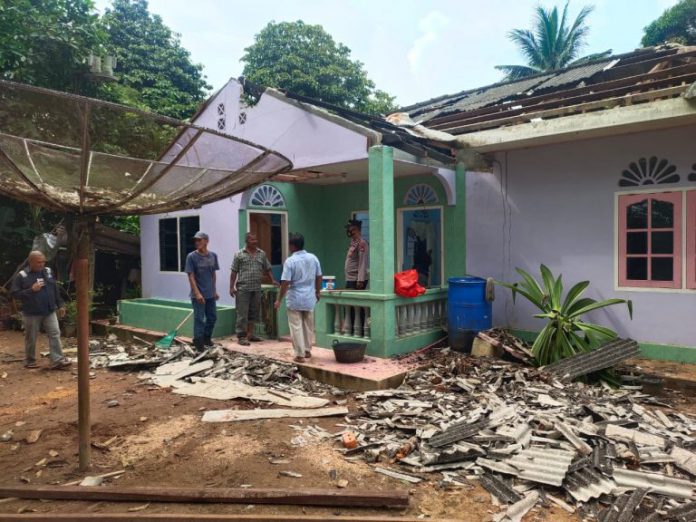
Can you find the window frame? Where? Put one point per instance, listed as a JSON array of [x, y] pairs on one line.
[[690, 231], [623, 201], [181, 267]]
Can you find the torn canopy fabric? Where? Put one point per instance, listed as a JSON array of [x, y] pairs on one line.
[[74, 154]]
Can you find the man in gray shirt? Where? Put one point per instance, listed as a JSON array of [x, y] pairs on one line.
[[201, 265], [37, 289]]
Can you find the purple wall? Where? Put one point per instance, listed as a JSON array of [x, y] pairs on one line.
[[556, 205]]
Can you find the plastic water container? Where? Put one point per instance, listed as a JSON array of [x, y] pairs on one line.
[[468, 311], [328, 282]]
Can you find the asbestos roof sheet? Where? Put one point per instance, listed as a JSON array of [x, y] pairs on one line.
[[544, 465], [573, 77]]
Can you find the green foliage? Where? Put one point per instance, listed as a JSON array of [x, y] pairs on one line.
[[565, 333], [305, 59], [127, 224], [154, 70], [552, 44], [677, 24], [46, 42]]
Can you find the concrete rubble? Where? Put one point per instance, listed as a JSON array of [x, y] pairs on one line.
[[531, 439]]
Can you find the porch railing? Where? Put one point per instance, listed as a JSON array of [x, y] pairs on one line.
[[415, 318], [351, 320]]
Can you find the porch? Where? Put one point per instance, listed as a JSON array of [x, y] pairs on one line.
[[406, 204]]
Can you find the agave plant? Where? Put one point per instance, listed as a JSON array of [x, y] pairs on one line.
[[566, 333]]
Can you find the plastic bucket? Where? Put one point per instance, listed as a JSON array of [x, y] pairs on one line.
[[328, 283], [468, 311]]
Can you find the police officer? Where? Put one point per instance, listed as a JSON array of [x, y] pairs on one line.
[[357, 263], [37, 289]]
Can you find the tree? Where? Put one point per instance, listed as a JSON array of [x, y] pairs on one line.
[[47, 42], [677, 24], [154, 71], [552, 44], [305, 59]]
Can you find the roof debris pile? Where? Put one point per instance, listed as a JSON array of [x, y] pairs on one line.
[[529, 438]]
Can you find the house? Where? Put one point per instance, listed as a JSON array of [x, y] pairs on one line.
[[592, 171], [345, 166]]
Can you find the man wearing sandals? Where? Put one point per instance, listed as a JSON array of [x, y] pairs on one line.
[[37, 289], [248, 268], [301, 280]]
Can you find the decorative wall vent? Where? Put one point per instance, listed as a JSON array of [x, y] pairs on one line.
[[649, 172], [242, 118], [421, 194], [222, 117], [692, 176], [267, 196]]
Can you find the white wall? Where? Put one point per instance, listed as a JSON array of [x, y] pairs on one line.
[[555, 205]]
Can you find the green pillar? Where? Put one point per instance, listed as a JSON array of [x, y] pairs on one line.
[[455, 229], [381, 193]]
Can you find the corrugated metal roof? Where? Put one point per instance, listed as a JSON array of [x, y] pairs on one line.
[[585, 484], [655, 482], [544, 465], [572, 77]]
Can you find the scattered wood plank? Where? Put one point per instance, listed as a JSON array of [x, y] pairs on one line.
[[188, 517], [304, 497], [244, 415]]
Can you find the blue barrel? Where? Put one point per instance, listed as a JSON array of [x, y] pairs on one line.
[[468, 311]]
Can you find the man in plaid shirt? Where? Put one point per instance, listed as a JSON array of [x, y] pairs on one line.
[[248, 268]]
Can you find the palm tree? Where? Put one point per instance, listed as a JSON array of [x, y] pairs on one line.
[[552, 44]]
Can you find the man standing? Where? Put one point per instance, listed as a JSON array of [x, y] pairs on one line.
[[201, 265], [357, 258], [301, 280], [37, 289], [248, 268]]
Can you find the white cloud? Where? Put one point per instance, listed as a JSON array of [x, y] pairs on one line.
[[430, 27]]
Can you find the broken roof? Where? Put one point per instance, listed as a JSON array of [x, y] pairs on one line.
[[653, 72]]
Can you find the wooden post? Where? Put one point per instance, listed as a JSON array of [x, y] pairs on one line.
[[82, 284]]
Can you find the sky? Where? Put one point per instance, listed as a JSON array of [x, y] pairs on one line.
[[412, 49]]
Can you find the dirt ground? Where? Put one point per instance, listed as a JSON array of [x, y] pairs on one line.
[[159, 439]]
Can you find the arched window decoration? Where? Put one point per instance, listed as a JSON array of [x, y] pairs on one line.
[[421, 194], [692, 176], [649, 172], [267, 196], [222, 117]]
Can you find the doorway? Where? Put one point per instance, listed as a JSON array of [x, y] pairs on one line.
[[420, 244], [271, 229]]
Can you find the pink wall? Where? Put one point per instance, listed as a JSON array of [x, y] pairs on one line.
[[556, 205]]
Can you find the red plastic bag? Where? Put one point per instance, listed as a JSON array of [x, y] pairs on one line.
[[406, 284]]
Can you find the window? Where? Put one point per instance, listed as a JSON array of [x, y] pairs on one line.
[[691, 239], [650, 240], [267, 196], [176, 241], [364, 218], [420, 244]]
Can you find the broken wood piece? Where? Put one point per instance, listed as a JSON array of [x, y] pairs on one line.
[[304, 497], [244, 415], [399, 476], [483, 348], [187, 517]]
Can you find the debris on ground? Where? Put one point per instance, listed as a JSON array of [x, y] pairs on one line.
[[606, 356], [528, 437]]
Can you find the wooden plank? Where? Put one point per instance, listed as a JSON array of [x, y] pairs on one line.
[[304, 497], [188, 517], [243, 415]]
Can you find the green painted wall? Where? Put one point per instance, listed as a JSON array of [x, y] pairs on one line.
[[163, 315]]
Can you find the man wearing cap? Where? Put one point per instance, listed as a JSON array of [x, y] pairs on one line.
[[201, 265], [36, 288], [248, 268], [357, 258]]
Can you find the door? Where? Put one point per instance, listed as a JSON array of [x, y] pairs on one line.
[[271, 230], [420, 244]]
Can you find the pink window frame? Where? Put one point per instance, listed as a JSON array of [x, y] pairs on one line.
[[624, 202], [691, 239]]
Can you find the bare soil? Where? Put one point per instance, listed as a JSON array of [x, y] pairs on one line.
[[159, 439]]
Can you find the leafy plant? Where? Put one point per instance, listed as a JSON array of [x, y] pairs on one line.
[[565, 333]]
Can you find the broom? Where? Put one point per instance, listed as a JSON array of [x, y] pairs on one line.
[[167, 340]]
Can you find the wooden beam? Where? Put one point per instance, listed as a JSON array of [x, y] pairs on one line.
[[304, 497], [195, 517]]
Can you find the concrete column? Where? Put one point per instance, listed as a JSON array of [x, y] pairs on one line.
[[455, 230], [382, 231]]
